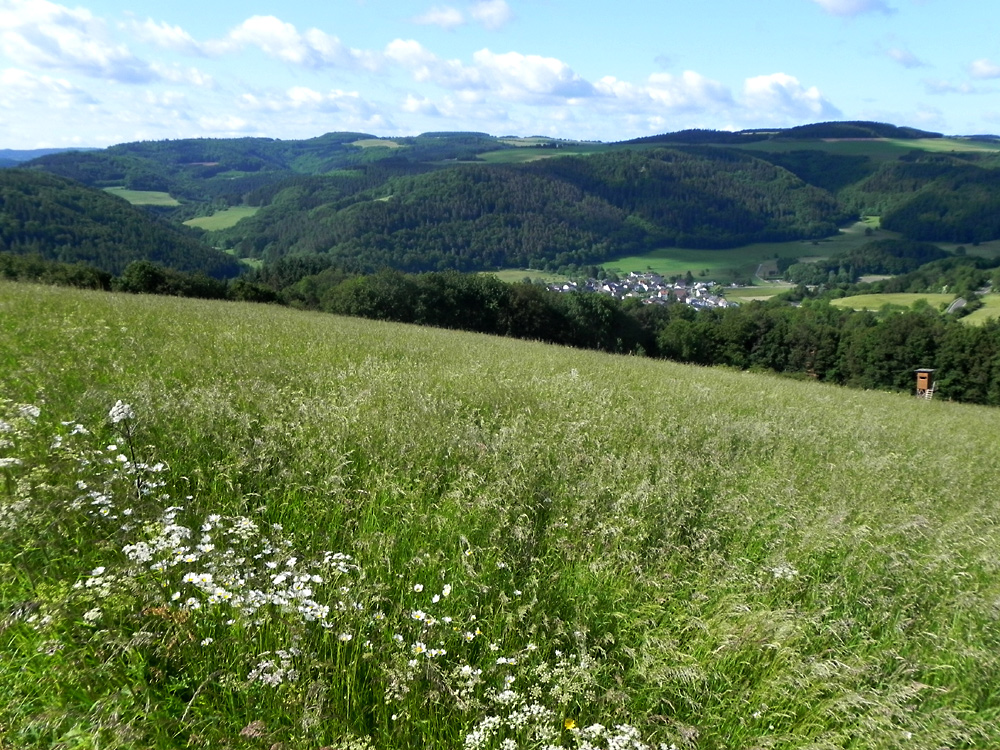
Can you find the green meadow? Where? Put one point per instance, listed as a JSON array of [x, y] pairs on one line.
[[753, 260], [990, 309], [239, 526], [144, 197], [224, 219], [901, 299]]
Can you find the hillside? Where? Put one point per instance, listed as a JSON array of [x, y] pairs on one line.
[[472, 201], [553, 212], [62, 220], [318, 531]]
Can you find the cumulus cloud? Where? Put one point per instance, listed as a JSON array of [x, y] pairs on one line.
[[444, 16], [936, 86], [781, 97], [520, 77], [18, 87], [984, 69], [425, 66], [493, 14], [48, 35], [418, 105], [850, 8], [282, 41], [905, 58], [165, 36]]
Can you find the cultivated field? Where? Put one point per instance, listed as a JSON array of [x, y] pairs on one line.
[[878, 301], [228, 525], [727, 265], [144, 197], [223, 219]]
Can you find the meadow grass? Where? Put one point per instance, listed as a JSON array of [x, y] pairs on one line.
[[902, 299], [990, 309], [231, 525], [224, 219], [144, 197], [748, 260]]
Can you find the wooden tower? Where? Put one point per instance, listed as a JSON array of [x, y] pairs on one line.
[[925, 383]]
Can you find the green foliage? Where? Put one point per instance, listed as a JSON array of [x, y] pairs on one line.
[[888, 256], [64, 221], [634, 553]]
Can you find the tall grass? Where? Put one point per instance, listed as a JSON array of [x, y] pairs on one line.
[[322, 532]]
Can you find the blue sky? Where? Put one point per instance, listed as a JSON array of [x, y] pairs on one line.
[[103, 72]]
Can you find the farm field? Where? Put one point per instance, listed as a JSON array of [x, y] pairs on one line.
[[877, 301], [878, 149], [989, 310], [144, 197], [730, 264], [234, 525], [223, 219]]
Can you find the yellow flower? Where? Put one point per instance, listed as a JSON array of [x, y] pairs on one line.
[[569, 724]]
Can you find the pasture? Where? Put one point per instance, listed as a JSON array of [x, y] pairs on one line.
[[747, 261], [144, 197], [243, 526], [224, 219], [901, 299]]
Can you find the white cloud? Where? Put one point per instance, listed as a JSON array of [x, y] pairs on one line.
[[178, 74], [905, 58], [665, 94], [166, 36], [984, 69], [520, 77], [418, 105], [38, 32], [444, 16], [779, 97], [19, 87], [493, 14], [936, 86], [852, 8], [282, 41], [425, 66]]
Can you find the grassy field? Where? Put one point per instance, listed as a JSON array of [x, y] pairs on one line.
[[880, 149], [727, 265], [223, 219], [239, 526], [990, 309], [144, 197], [878, 301]]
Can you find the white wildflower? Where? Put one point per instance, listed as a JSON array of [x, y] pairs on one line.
[[120, 412]]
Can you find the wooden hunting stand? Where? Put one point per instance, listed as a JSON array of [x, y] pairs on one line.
[[925, 383]]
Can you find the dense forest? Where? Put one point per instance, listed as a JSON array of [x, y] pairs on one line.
[[459, 201], [62, 220]]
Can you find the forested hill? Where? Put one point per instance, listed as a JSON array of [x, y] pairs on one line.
[[62, 220], [549, 213], [472, 201]]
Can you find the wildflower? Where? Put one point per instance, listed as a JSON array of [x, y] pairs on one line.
[[28, 411], [6, 462], [569, 724], [345, 637], [207, 641], [120, 412], [418, 615], [418, 587], [92, 615], [446, 591], [418, 648]]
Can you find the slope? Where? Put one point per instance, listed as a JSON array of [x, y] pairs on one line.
[[317, 531], [65, 221]]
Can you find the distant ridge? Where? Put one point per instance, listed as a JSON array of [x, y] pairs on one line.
[[846, 129]]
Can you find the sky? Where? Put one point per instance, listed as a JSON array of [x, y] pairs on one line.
[[101, 72]]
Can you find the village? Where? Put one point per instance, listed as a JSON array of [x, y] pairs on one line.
[[652, 289]]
